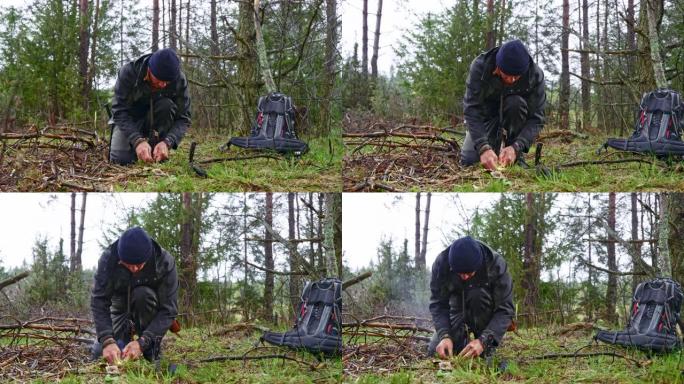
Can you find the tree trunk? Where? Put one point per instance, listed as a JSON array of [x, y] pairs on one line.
[[172, 26], [676, 243], [423, 250], [330, 64], [611, 291], [187, 278], [584, 63], [420, 263], [530, 281], [268, 260], [155, 25], [72, 244], [329, 235], [84, 41], [319, 231], [245, 278], [92, 72], [654, 11], [376, 44], [337, 234], [631, 35], [213, 30], [246, 68], [261, 52], [294, 265], [664, 264], [78, 264], [491, 29], [564, 101], [364, 43], [635, 237]]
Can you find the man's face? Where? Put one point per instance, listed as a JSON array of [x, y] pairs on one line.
[[134, 268], [154, 82], [466, 276], [508, 80]]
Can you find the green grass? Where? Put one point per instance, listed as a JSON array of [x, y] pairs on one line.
[[656, 175], [518, 350], [199, 343], [318, 170]]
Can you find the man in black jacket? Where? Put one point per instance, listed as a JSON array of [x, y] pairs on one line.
[[471, 290], [150, 109], [135, 291], [504, 103]]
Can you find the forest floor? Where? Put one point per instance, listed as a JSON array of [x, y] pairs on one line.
[[67, 158], [409, 156], [43, 361], [537, 355]]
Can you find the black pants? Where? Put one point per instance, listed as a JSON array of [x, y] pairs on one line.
[[143, 310], [479, 309], [164, 111], [511, 121]]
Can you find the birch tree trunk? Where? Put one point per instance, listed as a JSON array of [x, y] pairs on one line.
[[664, 264], [376, 44], [654, 10], [261, 52]]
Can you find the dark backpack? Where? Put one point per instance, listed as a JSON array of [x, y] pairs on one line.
[[273, 127], [653, 319], [658, 128], [318, 327]]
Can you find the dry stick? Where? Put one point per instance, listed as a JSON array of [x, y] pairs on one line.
[[398, 327], [588, 354], [46, 327], [379, 334], [221, 159], [263, 357], [596, 162]]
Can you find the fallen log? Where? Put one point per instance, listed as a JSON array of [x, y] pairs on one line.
[[13, 280], [357, 279]]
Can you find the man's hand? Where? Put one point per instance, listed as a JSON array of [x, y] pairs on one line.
[[445, 348], [111, 353], [161, 151], [132, 351], [144, 152], [489, 160], [508, 156], [473, 349]]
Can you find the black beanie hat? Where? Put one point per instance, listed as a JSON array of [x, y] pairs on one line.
[[513, 58], [165, 65], [135, 246], [465, 255]]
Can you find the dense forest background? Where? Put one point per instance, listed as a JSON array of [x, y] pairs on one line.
[[598, 57], [240, 257], [572, 257], [59, 58]]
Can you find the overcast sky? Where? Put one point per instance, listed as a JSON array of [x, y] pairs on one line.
[[397, 17], [26, 216], [369, 217]]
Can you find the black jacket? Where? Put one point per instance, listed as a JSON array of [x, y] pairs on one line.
[[113, 279], [446, 289], [133, 97], [485, 92]]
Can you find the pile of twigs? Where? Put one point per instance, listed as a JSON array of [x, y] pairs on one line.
[[46, 348], [55, 158], [384, 344], [390, 157]]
